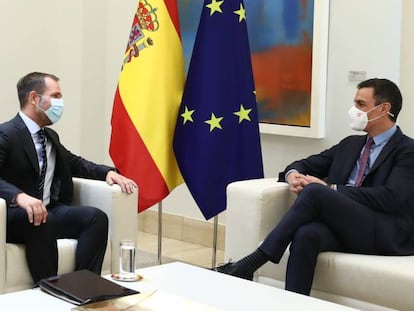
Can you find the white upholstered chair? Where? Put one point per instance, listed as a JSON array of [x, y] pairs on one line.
[[123, 224], [366, 282]]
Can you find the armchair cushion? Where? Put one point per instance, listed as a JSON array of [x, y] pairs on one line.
[[123, 224]]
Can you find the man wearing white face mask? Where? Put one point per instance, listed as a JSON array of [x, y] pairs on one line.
[[36, 173], [55, 111], [356, 197]]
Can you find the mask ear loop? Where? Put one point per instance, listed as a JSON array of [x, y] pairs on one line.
[[40, 102], [389, 113], [377, 117]]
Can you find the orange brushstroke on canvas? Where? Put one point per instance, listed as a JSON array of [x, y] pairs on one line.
[[283, 79]]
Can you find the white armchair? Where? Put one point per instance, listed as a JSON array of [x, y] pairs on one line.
[[367, 282], [123, 224]]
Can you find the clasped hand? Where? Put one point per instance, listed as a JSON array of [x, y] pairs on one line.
[[298, 181]]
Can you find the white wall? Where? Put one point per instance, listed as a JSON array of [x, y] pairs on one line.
[[43, 35], [83, 42]]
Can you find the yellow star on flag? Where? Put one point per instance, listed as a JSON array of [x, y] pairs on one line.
[[243, 114], [187, 115], [215, 6], [241, 12], [214, 122]]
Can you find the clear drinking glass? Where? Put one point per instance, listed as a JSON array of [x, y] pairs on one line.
[[127, 260]]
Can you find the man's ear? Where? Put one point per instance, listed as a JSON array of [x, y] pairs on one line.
[[387, 109], [32, 98], [386, 106]]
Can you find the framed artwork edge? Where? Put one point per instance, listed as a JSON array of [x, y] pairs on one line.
[[319, 79]]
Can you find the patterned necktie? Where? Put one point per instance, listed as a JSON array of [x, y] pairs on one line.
[[43, 157], [364, 161]]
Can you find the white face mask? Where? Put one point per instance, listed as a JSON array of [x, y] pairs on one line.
[[359, 118], [55, 111]]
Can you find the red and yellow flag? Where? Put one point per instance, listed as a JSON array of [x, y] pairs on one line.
[[147, 100]]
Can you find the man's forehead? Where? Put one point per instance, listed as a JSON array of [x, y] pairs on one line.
[[366, 92], [52, 86]]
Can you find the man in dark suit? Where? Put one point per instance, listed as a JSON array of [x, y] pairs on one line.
[[36, 173], [356, 197]]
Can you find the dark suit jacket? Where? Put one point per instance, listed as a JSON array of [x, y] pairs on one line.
[[19, 166], [388, 189]]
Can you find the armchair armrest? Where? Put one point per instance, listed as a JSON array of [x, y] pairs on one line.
[[254, 207], [120, 207]]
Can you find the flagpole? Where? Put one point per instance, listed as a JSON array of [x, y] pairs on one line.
[[160, 232], [215, 233]]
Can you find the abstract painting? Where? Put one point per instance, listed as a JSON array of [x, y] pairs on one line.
[[288, 43]]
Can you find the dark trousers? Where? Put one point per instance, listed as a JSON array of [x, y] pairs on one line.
[[320, 220], [88, 225]]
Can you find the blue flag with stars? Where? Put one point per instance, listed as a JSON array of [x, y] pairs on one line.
[[217, 138]]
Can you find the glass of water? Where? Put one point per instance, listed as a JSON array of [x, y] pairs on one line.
[[127, 260]]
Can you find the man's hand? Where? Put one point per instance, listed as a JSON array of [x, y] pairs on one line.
[[298, 181], [295, 181], [127, 185], [314, 180], [35, 209]]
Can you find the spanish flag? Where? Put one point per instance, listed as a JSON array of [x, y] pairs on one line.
[[147, 100]]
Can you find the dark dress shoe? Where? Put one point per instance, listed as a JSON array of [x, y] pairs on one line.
[[231, 268]]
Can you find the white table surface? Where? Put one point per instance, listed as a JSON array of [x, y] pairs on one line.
[[32, 299], [223, 291], [197, 284]]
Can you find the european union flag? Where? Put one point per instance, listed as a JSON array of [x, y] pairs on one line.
[[217, 138]]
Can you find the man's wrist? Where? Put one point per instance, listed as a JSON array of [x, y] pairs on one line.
[[13, 202], [288, 173]]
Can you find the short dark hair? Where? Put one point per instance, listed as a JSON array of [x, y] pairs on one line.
[[34, 81], [385, 91]]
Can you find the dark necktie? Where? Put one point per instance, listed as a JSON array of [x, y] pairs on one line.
[[364, 162], [43, 157]]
